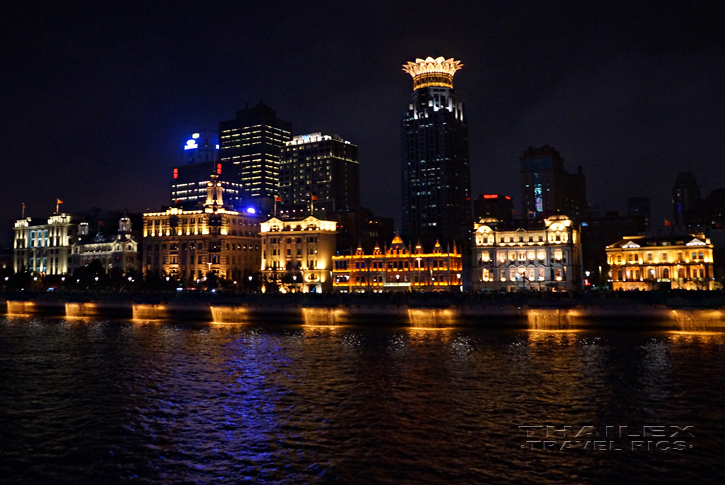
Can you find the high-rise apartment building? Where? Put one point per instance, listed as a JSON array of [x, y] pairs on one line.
[[435, 167], [546, 188], [200, 161], [321, 166], [252, 143]]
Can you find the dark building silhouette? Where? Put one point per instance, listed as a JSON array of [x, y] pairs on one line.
[[639, 206], [435, 167], [199, 162], [321, 166], [361, 228], [685, 197], [546, 188], [252, 143], [495, 206], [716, 207]]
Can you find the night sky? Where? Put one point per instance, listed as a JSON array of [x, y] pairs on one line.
[[98, 101]]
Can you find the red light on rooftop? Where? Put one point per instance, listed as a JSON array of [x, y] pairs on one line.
[[219, 168], [491, 196], [507, 197], [176, 173]]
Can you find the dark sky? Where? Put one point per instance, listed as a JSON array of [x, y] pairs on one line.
[[97, 101]]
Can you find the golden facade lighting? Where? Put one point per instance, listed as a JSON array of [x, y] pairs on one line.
[[682, 261], [396, 268], [432, 72]]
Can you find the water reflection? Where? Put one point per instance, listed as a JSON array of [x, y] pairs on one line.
[[20, 307], [189, 403], [228, 314], [80, 309], [551, 318], [431, 318], [698, 320], [701, 337], [558, 337], [149, 312], [324, 317]]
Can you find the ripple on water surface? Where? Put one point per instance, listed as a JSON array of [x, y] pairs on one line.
[[85, 400]]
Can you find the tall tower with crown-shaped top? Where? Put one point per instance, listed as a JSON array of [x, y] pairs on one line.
[[436, 174]]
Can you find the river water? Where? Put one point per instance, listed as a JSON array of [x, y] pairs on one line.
[[105, 401]]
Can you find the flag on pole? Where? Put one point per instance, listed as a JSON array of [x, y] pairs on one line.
[[667, 223], [59, 201], [278, 199], [314, 198]]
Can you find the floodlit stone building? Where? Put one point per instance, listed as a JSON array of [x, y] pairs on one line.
[[396, 268], [44, 248], [297, 253], [683, 261], [544, 257], [189, 244]]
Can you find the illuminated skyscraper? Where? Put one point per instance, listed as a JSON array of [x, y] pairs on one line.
[[252, 144], [323, 166], [435, 168]]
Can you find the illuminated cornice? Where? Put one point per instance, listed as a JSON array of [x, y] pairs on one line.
[[432, 72]]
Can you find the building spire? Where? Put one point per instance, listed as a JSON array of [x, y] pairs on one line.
[[214, 193], [432, 72]]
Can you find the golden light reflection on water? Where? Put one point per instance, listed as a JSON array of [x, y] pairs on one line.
[[323, 317], [80, 310], [431, 318], [706, 337], [322, 330], [228, 315], [698, 320], [18, 308], [559, 337], [568, 330], [417, 334], [146, 312], [551, 318]]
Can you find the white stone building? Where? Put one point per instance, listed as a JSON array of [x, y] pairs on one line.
[[44, 248], [546, 257]]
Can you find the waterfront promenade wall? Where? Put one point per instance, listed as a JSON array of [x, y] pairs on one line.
[[673, 314]]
